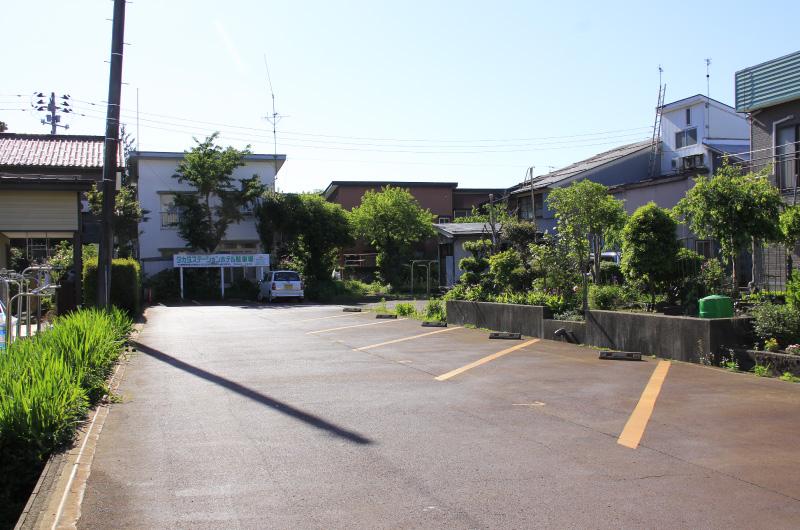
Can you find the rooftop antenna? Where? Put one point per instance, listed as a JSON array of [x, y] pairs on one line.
[[273, 119], [708, 78]]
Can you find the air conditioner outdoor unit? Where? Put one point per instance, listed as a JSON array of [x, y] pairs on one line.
[[677, 163], [699, 160], [688, 162]]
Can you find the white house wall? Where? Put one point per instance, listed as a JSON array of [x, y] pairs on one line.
[[727, 124], [155, 179]]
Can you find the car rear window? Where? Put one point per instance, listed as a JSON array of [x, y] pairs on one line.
[[287, 277]]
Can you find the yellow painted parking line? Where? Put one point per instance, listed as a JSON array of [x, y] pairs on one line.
[[318, 318], [463, 369], [634, 429], [357, 326], [407, 338]]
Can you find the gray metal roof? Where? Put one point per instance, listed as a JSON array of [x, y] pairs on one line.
[[770, 83], [555, 178], [464, 229], [736, 150]]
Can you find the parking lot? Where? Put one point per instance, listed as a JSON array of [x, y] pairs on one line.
[[304, 416]]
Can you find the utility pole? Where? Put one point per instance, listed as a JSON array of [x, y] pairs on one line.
[[53, 119], [105, 253]]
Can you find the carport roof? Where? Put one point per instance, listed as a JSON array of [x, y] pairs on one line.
[[465, 229]]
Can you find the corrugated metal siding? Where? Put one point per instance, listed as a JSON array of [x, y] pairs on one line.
[[770, 83], [33, 211]]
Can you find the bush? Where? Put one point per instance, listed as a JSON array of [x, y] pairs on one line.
[[126, 287], [781, 322], [405, 309], [435, 310], [242, 289], [611, 272], [604, 297], [165, 284]]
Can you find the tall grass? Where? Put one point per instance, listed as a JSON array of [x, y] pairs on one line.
[[47, 383]]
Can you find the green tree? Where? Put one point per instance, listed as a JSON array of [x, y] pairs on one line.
[[216, 202], [321, 229], [3, 126], [392, 221], [587, 217], [128, 213], [734, 209], [650, 246], [790, 233]]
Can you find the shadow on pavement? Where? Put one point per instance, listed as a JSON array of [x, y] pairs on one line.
[[279, 406]]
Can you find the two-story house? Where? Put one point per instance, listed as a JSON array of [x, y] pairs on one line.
[[770, 93], [153, 173]]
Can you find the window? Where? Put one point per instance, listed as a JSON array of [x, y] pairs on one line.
[[170, 213], [525, 207], [703, 247], [686, 138], [689, 116], [444, 220], [461, 213], [786, 159]]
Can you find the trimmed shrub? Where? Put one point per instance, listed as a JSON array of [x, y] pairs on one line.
[[604, 297], [126, 287]]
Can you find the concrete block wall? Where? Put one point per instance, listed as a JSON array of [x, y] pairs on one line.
[[680, 338]]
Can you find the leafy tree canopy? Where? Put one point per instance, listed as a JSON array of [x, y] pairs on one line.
[[734, 209], [392, 221], [216, 202], [587, 219], [650, 246]]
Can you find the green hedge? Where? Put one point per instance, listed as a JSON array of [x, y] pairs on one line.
[[126, 287]]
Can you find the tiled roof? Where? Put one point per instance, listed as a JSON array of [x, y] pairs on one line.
[[44, 150]]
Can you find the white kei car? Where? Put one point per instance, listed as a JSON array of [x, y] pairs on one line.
[[281, 284]]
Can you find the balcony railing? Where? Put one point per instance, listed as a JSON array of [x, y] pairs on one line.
[[170, 220]]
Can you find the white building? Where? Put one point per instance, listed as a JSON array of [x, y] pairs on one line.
[[697, 131], [159, 241]]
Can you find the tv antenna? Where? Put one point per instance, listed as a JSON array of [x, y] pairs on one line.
[[273, 119], [708, 78]]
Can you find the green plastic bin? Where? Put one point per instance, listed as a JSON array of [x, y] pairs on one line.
[[716, 307]]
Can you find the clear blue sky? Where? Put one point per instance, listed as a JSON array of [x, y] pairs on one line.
[[464, 91]]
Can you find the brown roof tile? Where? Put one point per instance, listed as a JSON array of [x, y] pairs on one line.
[[53, 150]]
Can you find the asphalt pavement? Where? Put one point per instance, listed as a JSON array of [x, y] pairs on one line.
[[302, 416]]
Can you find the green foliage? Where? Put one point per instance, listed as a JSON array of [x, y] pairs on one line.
[[762, 371], [611, 272], [552, 265], [483, 214], [47, 383], [771, 345], [216, 203], [19, 261], [793, 290], [650, 246], [405, 309], [787, 376], [435, 310], [605, 297], [479, 249], [503, 266], [128, 213], [733, 209], [63, 258], [774, 321], [587, 219], [392, 221], [242, 289], [165, 283], [126, 288]]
